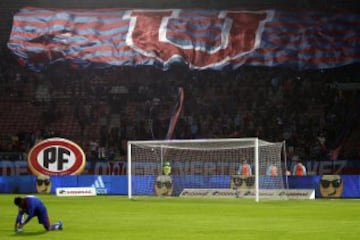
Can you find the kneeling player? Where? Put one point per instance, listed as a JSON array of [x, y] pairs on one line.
[[33, 206]]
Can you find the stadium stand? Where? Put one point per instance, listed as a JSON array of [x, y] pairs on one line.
[[306, 108]]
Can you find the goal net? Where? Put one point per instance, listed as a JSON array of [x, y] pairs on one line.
[[232, 167]]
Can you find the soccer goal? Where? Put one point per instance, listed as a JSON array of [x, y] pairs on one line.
[[207, 168]]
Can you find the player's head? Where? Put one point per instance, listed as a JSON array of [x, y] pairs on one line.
[[43, 184], [273, 170], [18, 201], [331, 186], [167, 168]]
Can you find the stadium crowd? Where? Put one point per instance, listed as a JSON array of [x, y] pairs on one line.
[[315, 112]]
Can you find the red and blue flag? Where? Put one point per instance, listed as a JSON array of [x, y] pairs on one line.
[[201, 39]]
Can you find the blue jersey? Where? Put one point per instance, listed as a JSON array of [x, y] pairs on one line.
[[33, 207]]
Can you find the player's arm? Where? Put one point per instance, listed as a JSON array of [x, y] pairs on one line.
[[30, 211], [304, 169], [18, 221], [30, 214]]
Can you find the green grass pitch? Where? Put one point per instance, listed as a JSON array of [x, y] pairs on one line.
[[117, 217]]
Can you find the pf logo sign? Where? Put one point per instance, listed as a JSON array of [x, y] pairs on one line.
[[56, 157]]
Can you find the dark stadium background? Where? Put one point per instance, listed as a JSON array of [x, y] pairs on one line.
[[23, 117]]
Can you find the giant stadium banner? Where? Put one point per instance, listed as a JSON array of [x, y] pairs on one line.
[[198, 38]]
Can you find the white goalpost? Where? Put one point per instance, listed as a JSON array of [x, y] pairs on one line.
[[207, 168]]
